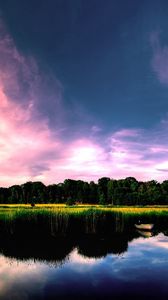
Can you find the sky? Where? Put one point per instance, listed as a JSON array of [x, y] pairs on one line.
[[83, 90]]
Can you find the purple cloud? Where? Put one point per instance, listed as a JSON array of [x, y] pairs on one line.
[[32, 149], [160, 58]]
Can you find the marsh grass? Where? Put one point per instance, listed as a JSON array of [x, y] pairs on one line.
[[81, 219]]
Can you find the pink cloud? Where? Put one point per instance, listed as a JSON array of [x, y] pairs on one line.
[[24, 143], [32, 149], [16, 272], [127, 133]]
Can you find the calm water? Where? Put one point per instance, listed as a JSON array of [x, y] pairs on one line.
[[116, 267]]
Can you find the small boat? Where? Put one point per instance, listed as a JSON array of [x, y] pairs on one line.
[[144, 226], [145, 233]]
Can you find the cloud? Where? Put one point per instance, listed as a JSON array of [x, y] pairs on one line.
[[160, 58], [23, 274], [127, 133], [35, 147], [25, 83], [159, 241], [27, 143], [123, 153], [77, 259]]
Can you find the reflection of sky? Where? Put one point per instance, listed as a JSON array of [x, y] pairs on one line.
[[17, 278], [142, 270]]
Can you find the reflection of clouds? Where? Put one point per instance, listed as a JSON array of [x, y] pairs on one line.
[[160, 241], [81, 264], [148, 251], [118, 265], [142, 254], [77, 258], [144, 262], [23, 274]]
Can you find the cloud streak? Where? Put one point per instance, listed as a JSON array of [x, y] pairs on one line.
[[160, 58], [35, 147]]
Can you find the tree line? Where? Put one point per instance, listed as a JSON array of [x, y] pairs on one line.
[[126, 191]]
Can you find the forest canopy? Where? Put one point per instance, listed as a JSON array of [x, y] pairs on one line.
[[126, 191]]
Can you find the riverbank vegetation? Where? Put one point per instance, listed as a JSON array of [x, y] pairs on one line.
[[107, 191], [56, 220]]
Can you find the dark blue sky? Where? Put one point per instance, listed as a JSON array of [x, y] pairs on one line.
[[99, 50], [96, 72]]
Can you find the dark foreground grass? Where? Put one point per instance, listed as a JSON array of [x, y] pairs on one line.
[[54, 220]]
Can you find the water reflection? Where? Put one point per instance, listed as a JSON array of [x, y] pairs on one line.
[[56, 249], [18, 278], [116, 266], [145, 234], [47, 249]]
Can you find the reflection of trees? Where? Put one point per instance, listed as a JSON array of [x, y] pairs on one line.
[[165, 232], [48, 249], [52, 237], [99, 247], [58, 248]]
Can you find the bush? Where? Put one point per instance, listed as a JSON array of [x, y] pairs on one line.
[[70, 201]]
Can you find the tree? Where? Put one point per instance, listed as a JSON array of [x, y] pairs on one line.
[[102, 188], [27, 191], [164, 189], [70, 201], [16, 194], [4, 195], [93, 192], [111, 186], [102, 200], [126, 191], [38, 192], [70, 188]]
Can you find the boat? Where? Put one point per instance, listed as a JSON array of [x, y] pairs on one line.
[[145, 233], [144, 226]]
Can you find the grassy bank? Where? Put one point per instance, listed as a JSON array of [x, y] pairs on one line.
[[84, 207], [84, 218], [13, 211]]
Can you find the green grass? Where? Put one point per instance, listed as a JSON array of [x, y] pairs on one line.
[[63, 212], [78, 209], [81, 218]]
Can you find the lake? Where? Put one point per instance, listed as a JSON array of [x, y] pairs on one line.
[[121, 265]]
